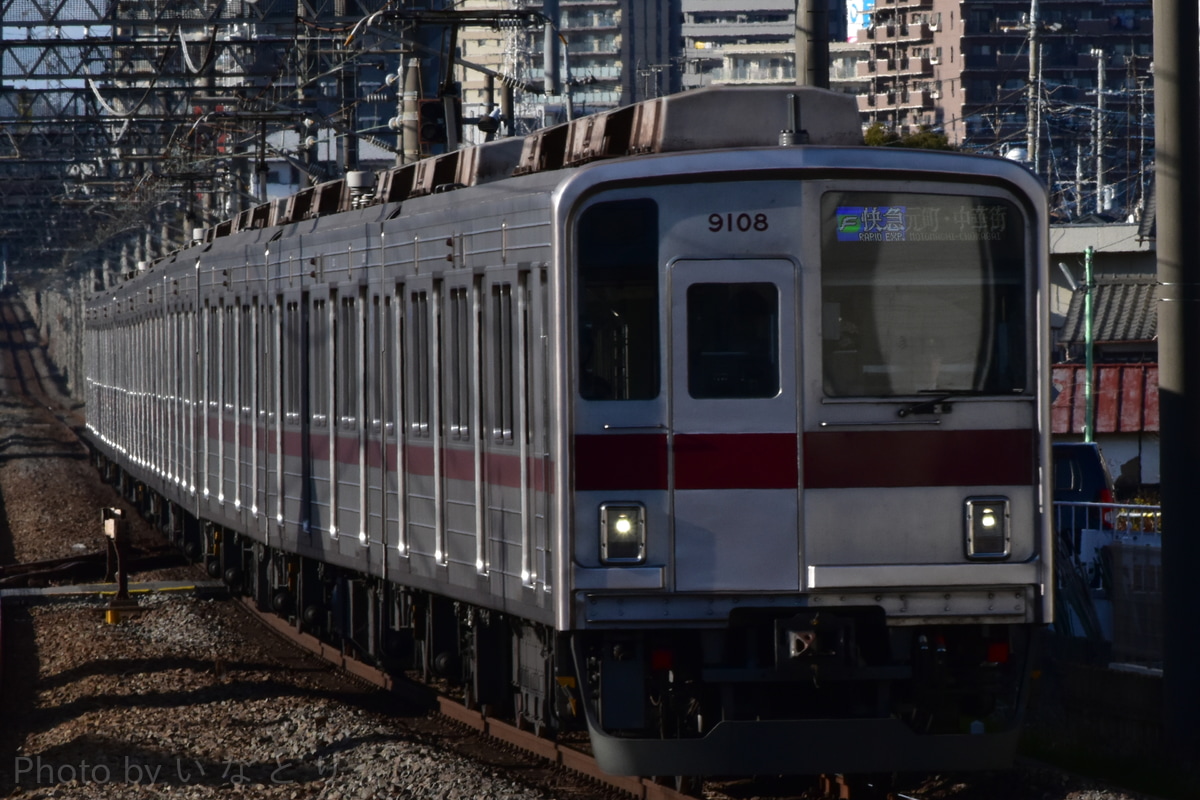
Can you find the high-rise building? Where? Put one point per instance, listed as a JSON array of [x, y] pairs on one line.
[[731, 42], [611, 53], [1061, 84], [1076, 111]]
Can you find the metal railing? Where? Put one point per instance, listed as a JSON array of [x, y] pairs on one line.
[[1109, 564]]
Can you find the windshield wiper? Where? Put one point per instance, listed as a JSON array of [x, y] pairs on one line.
[[938, 404]]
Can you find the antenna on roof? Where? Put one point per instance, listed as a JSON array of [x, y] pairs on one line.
[[793, 134]]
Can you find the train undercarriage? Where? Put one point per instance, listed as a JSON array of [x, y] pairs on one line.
[[802, 691]]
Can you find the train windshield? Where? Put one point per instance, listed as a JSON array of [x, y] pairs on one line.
[[618, 300], [922, 293]]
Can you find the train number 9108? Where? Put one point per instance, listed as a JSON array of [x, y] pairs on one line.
[[737, 222]]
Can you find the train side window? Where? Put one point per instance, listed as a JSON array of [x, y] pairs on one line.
[[349, 344], [393, 390], [617, 257], [229, 359], [373, 365], [321, 332], [294, 348], [529, 335], [228, 352], [503, 400], [267, 375], [247, 350], [458, 368], [421, 377], [213, 355], [733, 340]]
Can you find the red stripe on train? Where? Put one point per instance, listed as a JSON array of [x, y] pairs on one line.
[[633, 462], [620, 462], [735, 461], [500, 469], [832, 460], [878, 459]]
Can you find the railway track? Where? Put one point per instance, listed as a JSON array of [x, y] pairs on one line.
[[78, 568], [24, 362], [557, 753]]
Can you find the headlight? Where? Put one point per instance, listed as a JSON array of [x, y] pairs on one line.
[[987, 527], [622, 533]]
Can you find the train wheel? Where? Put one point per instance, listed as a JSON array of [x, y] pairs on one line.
[[281, 602]]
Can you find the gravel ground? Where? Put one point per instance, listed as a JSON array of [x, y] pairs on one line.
[[187, 700], [177, 701]]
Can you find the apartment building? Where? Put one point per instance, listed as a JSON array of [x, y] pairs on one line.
[[962, 67], [730, 42], [965, 66], [611, 53], [1078, 113]]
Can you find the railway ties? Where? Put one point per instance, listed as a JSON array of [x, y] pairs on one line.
[[60, 578], [563, 754], [75, 569], [167, 683], [557, 754], [26, 585], [56, 580], [105, 591]]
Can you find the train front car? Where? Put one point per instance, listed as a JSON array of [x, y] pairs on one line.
[[807, 449]]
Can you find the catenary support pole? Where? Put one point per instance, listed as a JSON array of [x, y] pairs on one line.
[[1089, 346], [812, 43], [1177, 178]]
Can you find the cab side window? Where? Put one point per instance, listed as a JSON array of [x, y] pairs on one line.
[[617, 257]]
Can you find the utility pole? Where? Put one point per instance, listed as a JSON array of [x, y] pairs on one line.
[[1141, 147], [409, 149], [550, 52], [1089, 358], [1033, 96], [812, 43], [1099, 140], [1078, 179]]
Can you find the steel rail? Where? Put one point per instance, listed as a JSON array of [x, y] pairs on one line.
[[557, 753]]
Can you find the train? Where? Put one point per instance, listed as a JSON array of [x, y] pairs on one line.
[[694, 424]]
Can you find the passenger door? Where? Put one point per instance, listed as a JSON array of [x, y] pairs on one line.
[[733, 405]]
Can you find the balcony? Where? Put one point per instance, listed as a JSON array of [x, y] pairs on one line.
[[610, 45], [736, 6], [902, 100], [900, 32], [1013, 61], [1099, 27], [916, 99], [754, 75], [917, 67], [591, 22], [712, 31]]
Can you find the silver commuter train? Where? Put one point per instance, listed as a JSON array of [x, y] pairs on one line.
[[731, 451]]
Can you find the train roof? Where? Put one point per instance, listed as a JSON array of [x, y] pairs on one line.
[[723, 117]]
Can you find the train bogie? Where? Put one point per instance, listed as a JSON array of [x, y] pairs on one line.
[[734, 456]]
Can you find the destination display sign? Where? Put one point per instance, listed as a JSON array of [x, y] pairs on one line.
[[925, 223]]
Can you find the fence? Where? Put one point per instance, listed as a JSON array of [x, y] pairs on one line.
[[1109, 566]]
